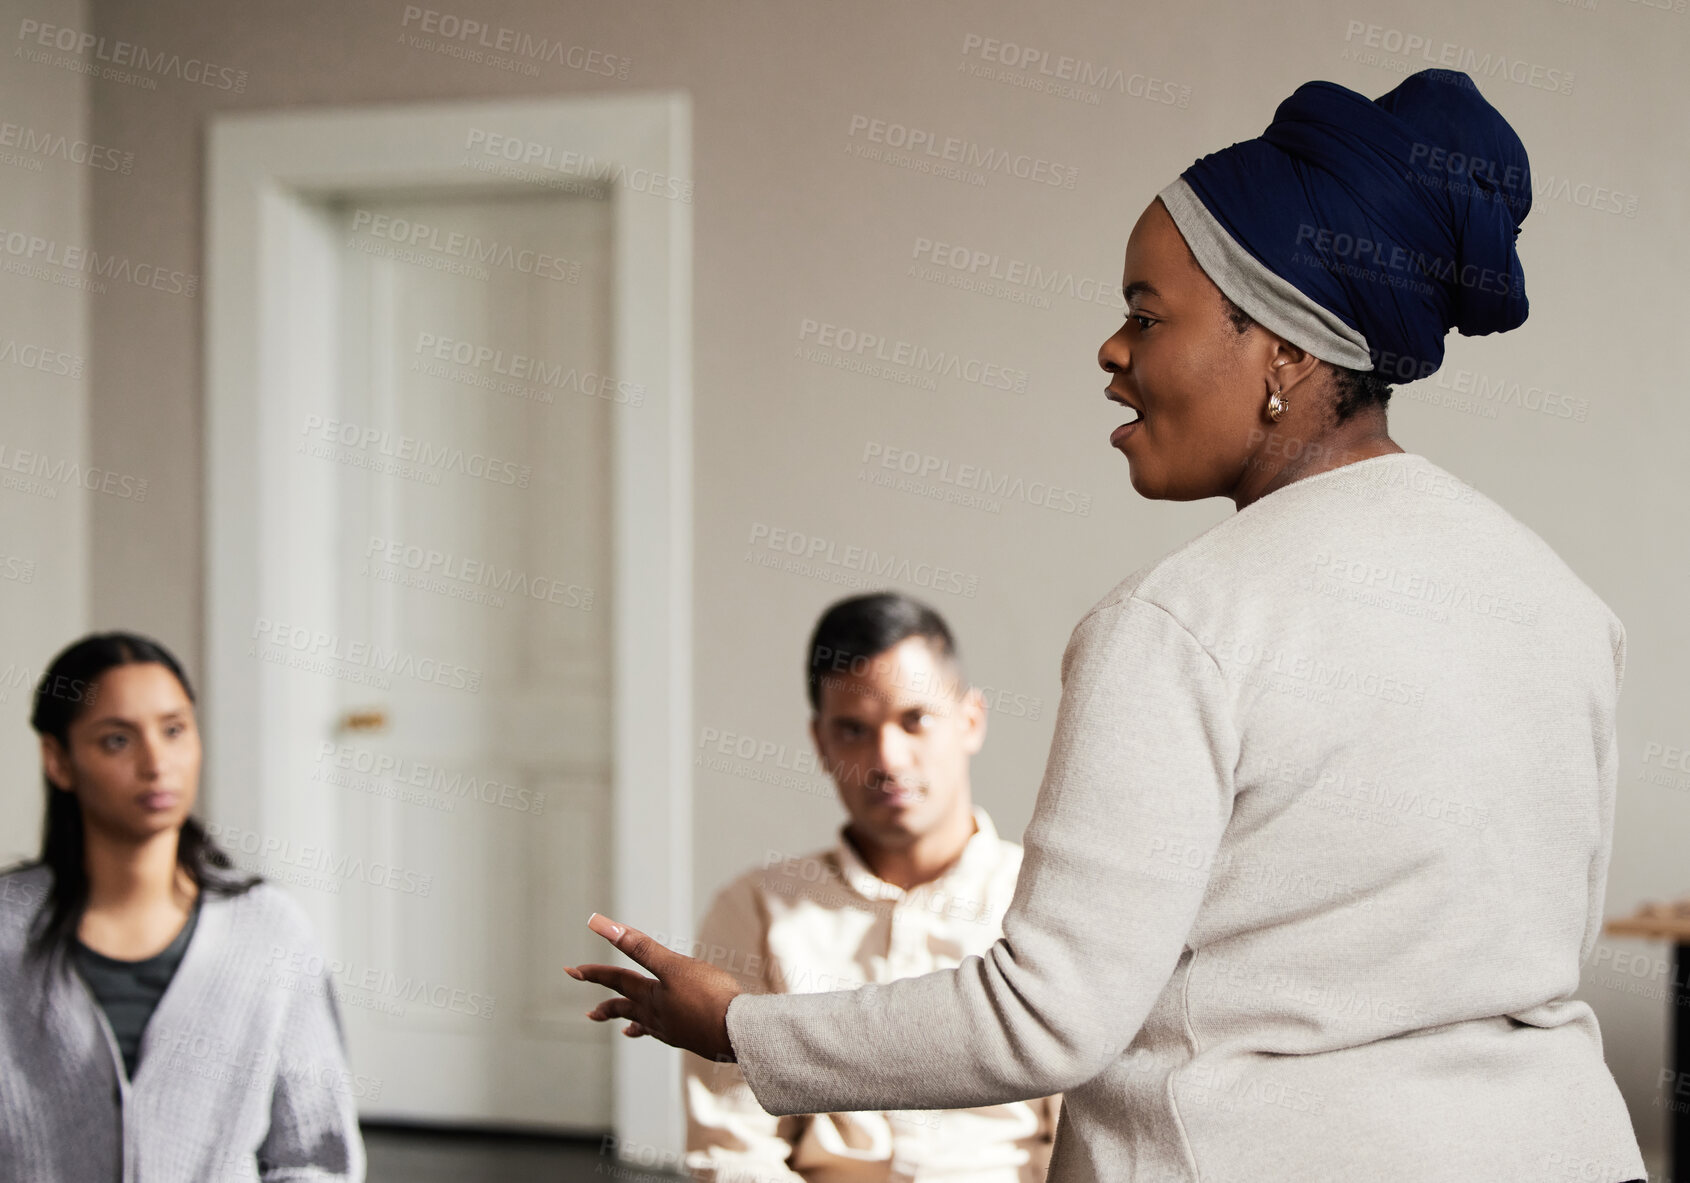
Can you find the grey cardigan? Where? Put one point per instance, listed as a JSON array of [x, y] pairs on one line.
[[242, 1073], [1321, 846]]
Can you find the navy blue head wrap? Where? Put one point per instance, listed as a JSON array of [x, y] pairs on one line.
[[1364, 230]]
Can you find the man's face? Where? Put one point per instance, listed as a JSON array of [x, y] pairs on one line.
[[895, 733]]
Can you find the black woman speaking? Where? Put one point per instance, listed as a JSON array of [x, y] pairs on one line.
[[1324, 831]]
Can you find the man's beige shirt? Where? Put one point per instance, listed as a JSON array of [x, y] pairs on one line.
[[826, 922]]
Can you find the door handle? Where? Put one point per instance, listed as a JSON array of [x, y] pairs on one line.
[[373, 719]]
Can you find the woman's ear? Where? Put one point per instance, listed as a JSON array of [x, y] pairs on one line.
[[56, 761], [1289, 365]]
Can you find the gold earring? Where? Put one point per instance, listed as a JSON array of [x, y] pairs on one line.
[[1276, 405]]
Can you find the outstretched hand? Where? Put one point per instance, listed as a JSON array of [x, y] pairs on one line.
[[684, 1006]]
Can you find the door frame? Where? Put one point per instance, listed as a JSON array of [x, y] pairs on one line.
[[267, 174]]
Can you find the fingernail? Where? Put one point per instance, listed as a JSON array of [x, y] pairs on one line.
[[604, 927]]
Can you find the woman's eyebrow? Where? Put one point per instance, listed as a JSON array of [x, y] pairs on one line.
[[1139, 288]]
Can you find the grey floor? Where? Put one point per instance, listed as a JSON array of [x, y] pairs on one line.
[[405, 1155]]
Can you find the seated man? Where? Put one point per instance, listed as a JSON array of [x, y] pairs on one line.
[[918, 880]]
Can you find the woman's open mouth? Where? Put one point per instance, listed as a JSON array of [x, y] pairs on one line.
[[1122, 433]]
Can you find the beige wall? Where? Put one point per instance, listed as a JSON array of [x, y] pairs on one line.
[[45, 170], [792, 226]]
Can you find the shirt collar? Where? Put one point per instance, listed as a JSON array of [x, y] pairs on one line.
[[976, 852]]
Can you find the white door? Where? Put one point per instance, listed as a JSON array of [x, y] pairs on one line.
[[474, 549]]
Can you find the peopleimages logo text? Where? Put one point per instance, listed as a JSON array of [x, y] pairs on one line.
[[132, 56], [469, 31], [1361, 36], [846, 339], [964, 152], [1079, 71], [447, 457], [1050, 281]]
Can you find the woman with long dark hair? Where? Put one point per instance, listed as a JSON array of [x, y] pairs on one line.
[[1324, 831], [166, 1018]]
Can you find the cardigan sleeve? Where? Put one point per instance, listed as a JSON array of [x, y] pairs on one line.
[[1606, 740], [313, 1134], [1140, 770]]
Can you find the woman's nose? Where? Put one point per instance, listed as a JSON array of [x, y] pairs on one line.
[[147, 759], [1112, 355]]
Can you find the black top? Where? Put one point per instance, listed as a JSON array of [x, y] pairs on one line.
[[128, 991]]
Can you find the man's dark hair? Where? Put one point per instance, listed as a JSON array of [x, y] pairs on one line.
[[854, 631], [1354, 389]]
